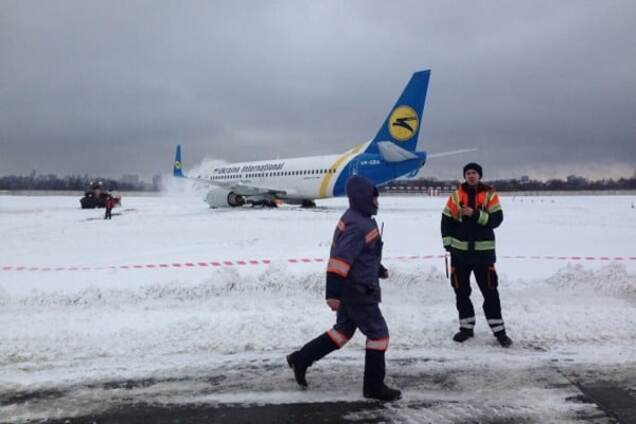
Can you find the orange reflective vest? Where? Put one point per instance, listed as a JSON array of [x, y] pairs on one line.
[[485, 201]]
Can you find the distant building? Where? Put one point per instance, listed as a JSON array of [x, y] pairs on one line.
[[524, 179]]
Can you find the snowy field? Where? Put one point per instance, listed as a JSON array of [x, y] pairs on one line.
[[218, 334]]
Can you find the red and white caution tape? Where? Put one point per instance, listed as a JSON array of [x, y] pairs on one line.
[[257, 262]]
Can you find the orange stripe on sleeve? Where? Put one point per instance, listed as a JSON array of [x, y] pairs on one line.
[[372, 235], [338, 267]]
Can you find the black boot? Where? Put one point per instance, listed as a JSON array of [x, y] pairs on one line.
[[302, 359], [374, 371], [503, 339], [463, 335]]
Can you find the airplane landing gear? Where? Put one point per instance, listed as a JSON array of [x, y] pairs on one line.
[[235, 200], [308, 204]]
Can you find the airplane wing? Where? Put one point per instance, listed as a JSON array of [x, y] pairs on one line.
[[240, 188]]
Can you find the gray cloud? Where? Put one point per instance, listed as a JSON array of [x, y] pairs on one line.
[[542, 88]]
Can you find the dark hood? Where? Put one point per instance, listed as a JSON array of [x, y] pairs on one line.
[[361, 192]]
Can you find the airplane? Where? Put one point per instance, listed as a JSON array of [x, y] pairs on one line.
[[390, 155]]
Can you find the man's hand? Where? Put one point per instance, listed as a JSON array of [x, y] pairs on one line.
[[384, 274], [333, 304], [467, 211]]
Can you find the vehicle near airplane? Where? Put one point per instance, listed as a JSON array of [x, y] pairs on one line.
[[96, 196], [391, 154]]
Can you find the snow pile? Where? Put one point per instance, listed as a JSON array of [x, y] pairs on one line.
[[612, 279]]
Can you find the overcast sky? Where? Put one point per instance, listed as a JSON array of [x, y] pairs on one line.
[[542, 88]]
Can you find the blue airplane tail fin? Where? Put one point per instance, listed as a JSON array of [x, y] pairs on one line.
[[177, 170], [403, 124]]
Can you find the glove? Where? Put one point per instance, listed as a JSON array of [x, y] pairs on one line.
[[383, 272], [334, 286]]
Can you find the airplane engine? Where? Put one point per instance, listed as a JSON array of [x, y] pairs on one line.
[[220, 198]]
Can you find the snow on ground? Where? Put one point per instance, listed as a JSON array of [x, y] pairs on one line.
[[220, 334]]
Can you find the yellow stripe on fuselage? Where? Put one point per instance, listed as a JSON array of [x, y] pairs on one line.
[[326, 180]]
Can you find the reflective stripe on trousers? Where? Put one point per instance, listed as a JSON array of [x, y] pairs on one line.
[[379, 344], [467, 323]]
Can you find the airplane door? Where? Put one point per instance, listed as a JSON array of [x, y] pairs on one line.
[[354, 169]]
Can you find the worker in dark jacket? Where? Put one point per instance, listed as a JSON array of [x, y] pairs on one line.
[[110, 204], [353, 290], [471, 214]]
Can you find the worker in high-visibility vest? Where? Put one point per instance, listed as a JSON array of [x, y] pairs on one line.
[[470, 216]]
